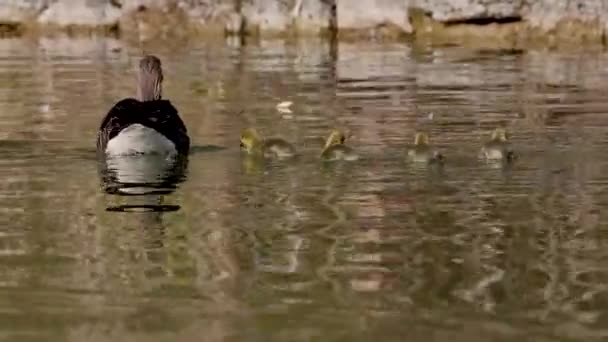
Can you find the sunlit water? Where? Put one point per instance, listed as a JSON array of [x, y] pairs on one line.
[[300, 250]]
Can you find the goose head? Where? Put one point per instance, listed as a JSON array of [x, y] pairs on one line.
[[149, 79]]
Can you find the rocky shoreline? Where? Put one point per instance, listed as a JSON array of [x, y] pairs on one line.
[[489, 22]]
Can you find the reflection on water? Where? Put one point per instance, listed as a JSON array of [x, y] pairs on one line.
[[141, 174], [231, 248]]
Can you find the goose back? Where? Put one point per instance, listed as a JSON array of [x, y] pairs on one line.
[[159, 115]]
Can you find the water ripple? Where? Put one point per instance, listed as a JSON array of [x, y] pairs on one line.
[[303, 249]]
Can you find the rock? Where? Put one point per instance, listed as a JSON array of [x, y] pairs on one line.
[[266, 16], [206, 10], [179, 19], [213, 13], [136, 5], [471, 10], [509, 22], [284, 16], [315, 16], [21, 11], [369, 15], [541, 13], [513, 22], [80, 13], [547, 14]]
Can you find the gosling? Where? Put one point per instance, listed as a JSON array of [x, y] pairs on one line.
[[498, 147], [423, 152], [335, 149], [255, 145]]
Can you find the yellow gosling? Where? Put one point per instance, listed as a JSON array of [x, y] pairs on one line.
[[254, 144], [423, 152], [335, 149], [498, 147]]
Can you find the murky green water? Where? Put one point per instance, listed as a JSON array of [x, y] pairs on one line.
[[300, 251]]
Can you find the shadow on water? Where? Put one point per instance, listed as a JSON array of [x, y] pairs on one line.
[[196, 149], [143, 208]]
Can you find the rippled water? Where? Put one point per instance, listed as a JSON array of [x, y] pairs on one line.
[[299, 250]]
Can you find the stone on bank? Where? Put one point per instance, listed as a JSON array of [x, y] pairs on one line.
[[509, 20]]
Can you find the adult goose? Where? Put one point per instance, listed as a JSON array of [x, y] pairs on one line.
[[146, 125]]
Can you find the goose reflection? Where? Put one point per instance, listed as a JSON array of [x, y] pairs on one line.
[[141, 174], [147, 177]]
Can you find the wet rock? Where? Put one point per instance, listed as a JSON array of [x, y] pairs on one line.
[[471, 10], [80, 13], [509, 21], [494, 22], [21, 11], [267, 16], [206, 12], [179, 19], [203, 12], [280, 16], [221, 15], [141, 5], [314, 16], [503, 35], [547, 14], [570, 21], [370, 15]]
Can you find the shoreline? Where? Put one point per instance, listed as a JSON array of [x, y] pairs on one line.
[[509, 24]]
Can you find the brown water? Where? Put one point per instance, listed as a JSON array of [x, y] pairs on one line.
[[300, 251]]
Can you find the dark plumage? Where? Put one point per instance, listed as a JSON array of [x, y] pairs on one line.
[[159, 115], [147, 110]]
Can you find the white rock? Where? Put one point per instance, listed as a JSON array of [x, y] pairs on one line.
[[370, 14], [78, 12]]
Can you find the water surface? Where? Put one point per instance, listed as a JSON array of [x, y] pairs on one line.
[[299, 251]]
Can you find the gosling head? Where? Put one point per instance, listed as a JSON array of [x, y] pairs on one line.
[[336, 137], [249, 138], [421, 139], [499, 134], [149, 79]]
